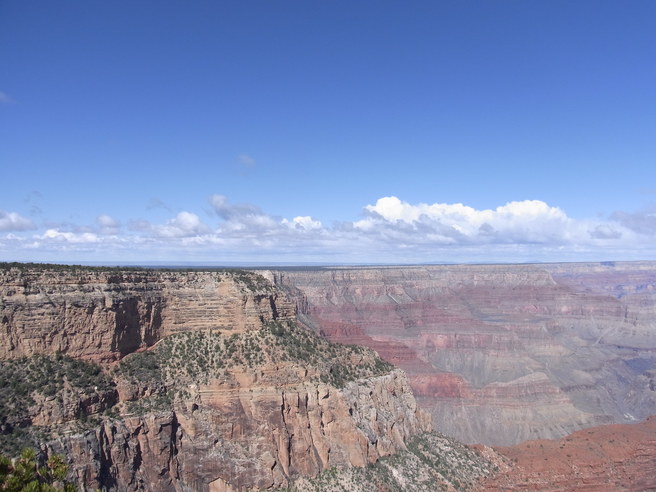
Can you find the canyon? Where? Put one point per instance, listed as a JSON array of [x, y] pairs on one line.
[[334, 378], [171, 381], [500, 354]]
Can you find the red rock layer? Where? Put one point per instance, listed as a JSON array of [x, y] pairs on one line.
[[500, 353], [599, 459]]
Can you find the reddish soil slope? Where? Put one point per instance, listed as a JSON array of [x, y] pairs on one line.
[[599, 459]]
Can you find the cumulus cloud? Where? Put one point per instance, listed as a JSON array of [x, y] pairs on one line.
[[182, 225], [249, 221], [306, 223], [12, 221], [528, 221]]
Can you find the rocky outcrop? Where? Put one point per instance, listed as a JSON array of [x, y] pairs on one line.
[[431, 462], [104, 315], [250, 436], [500, 353]]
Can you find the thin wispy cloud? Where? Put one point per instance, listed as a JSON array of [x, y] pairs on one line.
[[12, 221], [642, 222], [108, 224], [157, 203], [34, 199], [5, 99], [246, 161]]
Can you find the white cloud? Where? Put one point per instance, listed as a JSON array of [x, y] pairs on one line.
[[69, 237], [390, 231], [11, 221], [246, 220], [184, 224], [530, 221], [4, 98], [306, 223]]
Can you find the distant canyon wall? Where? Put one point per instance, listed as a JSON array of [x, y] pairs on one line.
[[500, 353]]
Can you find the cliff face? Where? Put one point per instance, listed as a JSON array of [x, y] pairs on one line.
[[207, 383], [255, 436], [500, 353], [106, 315]]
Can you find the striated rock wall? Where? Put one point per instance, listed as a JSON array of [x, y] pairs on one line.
[[500, 353], [105, 315], [217, 388], [252, 435]]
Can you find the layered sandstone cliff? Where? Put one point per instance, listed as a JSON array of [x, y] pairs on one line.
[[207, 382], [500, 353], [104, 315], [257, 437]]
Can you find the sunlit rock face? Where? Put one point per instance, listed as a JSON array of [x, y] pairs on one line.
[[205, 382], [104, 315], [247, 434], [500, 353]]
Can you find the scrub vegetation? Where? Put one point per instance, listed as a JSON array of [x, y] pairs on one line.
[[431, 462], [196, 358], [30, 385]]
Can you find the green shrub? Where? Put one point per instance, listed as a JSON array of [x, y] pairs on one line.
[[26, 474]]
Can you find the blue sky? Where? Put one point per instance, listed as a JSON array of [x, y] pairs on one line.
[[327, 131]]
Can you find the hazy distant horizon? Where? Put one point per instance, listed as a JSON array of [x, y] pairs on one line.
[[303, 266]]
